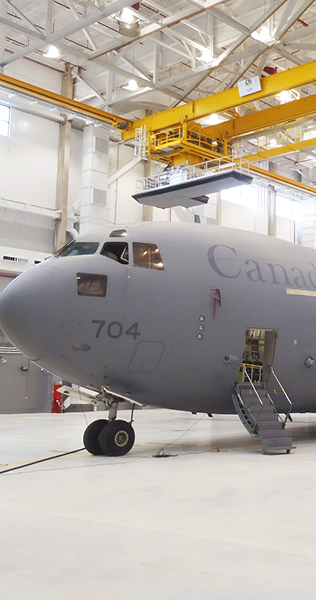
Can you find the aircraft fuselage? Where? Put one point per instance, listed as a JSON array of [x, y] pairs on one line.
[[170, 333]]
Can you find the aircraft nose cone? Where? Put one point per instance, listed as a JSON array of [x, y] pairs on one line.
[[32, 309]]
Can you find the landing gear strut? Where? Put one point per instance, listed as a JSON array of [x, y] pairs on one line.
[[109, 437]]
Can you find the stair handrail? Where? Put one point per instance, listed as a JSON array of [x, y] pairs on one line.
[[285, 394], [253, 387]]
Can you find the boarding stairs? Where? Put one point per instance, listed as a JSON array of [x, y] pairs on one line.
[[260, 417]]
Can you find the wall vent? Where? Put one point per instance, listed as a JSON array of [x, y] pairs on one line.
[[15, 259], [99, 197]]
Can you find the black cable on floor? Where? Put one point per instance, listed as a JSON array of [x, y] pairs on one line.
[[35, 462]]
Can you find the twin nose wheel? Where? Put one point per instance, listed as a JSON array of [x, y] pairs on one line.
[[110, 438]]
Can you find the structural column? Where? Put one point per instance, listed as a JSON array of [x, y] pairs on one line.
[[148, 211], [218, 208], [271, 211], [94, 209], [3, 14], [308, 223], [63, 166]]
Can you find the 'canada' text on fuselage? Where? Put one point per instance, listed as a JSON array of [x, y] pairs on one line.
[[224, 261]]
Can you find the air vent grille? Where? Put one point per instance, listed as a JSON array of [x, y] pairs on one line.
[[15, 259]]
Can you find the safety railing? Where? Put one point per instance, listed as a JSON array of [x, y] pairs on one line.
[[285, 395], [254, 371], [252, 385], [182, 173]]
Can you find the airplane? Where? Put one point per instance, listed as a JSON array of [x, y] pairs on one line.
[[184, 316]]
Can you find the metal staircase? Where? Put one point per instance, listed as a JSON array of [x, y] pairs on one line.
[[259, 415]]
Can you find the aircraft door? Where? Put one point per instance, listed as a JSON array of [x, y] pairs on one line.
[[258, 355]]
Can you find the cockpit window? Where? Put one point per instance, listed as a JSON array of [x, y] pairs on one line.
[[147, 256], [117, 251], [78, 248], [91, 284]]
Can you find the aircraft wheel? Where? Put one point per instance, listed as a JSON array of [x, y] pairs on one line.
[[90, 436], [116, 438]]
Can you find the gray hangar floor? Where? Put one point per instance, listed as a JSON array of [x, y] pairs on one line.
[[215, 520]]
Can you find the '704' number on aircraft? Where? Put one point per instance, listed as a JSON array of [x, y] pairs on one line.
[[115, 329]]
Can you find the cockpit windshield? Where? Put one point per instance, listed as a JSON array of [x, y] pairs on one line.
[[117, 251], [78, 249], [147, 256]]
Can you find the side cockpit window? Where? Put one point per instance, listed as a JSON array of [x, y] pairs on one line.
[[117, 251], [78, 249], [91, 284], [147, 256]]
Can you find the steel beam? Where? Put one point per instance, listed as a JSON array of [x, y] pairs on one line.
[[270, 86], [71, 106], [69, 29], [283, 114], [280, 179], [280, 151], [186, 13]]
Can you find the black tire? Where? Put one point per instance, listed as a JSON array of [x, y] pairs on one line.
[[117, 438], [91, 434]]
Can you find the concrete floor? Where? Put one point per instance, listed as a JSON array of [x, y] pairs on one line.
[[216, 520]]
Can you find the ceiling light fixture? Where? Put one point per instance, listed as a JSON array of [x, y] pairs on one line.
[[263, 35], [206, 56], [213, 119], [131, 86], [128, 22], [287, 96], [52, 52]]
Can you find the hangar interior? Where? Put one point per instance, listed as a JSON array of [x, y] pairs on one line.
[[102, 101]]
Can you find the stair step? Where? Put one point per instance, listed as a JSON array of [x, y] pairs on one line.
[[260, 417], [254, 400], [246, 385], [262, 411], [268, 434], [276, 444], [269, 425]]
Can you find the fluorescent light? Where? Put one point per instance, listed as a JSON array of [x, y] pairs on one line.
[[52, 52]]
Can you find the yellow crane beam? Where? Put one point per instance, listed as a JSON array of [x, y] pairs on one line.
[[227, 100], [277, 178], [265, 154], [283, 114], [26, 89]]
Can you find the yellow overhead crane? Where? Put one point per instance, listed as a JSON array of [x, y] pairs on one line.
[[175, 136], [70, 106]]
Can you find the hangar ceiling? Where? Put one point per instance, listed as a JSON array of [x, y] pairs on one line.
[[156, 56]]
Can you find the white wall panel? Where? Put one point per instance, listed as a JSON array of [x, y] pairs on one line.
[[238, 217], [32, 165], [50, 79], [285, 229], [123, 208]]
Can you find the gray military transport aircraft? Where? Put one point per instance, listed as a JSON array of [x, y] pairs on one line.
[[190, 317]]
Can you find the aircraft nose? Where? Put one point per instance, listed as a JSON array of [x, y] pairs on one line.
[[32, 309]]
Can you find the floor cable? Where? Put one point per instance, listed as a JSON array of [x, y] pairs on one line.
[[36, 462]]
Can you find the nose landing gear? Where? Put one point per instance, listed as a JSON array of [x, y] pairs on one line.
[[109, 437], [116, 438]]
